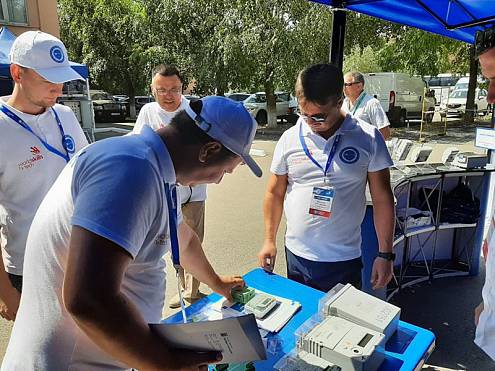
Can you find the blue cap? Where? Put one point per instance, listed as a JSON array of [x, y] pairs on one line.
[[228, 122]]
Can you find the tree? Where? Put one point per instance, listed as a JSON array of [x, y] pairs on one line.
[[363, 60], [110, 37], [280, 38]]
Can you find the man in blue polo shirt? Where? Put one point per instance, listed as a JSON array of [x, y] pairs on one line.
[[94, 266]]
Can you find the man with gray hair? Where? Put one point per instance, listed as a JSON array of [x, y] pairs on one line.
[[362, 105]]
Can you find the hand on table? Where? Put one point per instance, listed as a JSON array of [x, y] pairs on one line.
[[226, 284]]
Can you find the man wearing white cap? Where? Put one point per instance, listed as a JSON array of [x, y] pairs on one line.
[[94, 268], [37, 139]]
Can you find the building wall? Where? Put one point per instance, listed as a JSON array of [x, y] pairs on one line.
[[41, 15]]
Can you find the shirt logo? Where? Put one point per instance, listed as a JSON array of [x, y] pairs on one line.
[[35, 150], [68, 143], [57, 54], [161, 239], [349, 155], [35, 156]]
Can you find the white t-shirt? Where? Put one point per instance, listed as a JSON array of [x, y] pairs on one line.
[[113, 188], [485, 331], [27, 171], [155, 117], [368, 109], [361, 150]]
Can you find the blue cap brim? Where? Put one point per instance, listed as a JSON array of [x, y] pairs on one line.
[[249, 161], [59, 75]]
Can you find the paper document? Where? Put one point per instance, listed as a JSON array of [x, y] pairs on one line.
[[273, 322], [237, 338]]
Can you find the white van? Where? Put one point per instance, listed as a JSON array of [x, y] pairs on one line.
[[400, 95]]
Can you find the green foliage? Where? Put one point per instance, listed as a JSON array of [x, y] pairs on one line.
[[397, 48], [363, 60], [248, 45]]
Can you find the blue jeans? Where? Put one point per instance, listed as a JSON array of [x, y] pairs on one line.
[[323, 275]]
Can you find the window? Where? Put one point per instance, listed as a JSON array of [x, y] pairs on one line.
[[459, 94], [13, 11]]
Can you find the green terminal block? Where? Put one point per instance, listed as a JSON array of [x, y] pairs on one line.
[[243, 295]]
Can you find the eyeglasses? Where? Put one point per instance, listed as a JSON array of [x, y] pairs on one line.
[[484, 40], [351, 83], [174, 91], [319, 117]]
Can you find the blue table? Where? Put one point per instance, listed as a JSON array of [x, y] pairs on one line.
[[408, 348]]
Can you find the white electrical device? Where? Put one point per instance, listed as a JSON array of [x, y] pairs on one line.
[[401, 150], [345, 301], [260, 305], [345, 344], [420, 153], [470, 160], [449, 154]]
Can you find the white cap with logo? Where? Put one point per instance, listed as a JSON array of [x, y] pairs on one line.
[[44, 54]]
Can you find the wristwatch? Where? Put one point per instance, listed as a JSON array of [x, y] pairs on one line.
[[387, 255]]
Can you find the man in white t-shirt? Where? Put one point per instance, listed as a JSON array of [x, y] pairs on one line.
[[94, 272], [37, 139], [362, 105], [166, 85], [485, 312], [319, 173]]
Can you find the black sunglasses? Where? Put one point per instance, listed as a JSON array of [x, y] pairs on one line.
[[319, 117]]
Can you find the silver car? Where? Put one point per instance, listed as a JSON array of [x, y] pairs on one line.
[[285, 106]]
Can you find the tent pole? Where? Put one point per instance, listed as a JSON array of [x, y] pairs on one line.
[[338, 35]]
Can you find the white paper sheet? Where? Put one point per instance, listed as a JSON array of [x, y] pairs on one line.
[[237, 338], [273, 322]]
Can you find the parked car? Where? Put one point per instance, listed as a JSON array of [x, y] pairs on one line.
[[121, 97], [106, 108], [256, 105], [238, 97], [456, 103], [191, 98], [400, 95], [141, 100], [463, 82]]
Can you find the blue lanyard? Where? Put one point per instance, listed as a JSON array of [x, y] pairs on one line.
[[171, 194], [331, 155], [358, 103], [67, 141]]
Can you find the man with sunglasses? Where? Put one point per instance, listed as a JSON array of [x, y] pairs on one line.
[[166, 86], [362, 105], [37, 139], [319, 171], [485, 312]]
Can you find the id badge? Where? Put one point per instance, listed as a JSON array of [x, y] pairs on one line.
[[321, 201]]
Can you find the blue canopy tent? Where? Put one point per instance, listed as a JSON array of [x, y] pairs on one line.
[[7, 38]]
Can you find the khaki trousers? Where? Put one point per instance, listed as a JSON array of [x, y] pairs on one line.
[[194, 215]]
